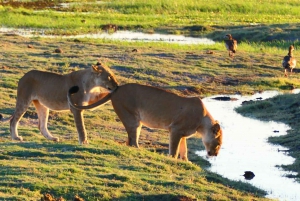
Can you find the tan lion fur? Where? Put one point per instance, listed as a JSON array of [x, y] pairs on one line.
[[138, 105], [49, 91]]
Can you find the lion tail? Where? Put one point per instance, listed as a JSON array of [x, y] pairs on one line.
[[2, 119], [104, 98]]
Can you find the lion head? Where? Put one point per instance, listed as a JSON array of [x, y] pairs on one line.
[[104, 77], [213, 140]]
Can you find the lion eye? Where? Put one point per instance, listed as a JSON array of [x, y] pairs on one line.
[[109, 78]]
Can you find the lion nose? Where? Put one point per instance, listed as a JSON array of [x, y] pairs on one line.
[[209, 153], [109, 87]]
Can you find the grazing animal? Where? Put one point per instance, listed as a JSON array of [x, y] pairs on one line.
[[49, 91], [231, 45], [138, 105], [289, 62]]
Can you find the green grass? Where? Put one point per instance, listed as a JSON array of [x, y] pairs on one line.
[[107, 169], [190, 17], [102, 171]]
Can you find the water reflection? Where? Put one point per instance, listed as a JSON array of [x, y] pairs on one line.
[[245, 148], [119, 35]]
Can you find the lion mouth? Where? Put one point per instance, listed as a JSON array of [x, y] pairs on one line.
[[210, 154]]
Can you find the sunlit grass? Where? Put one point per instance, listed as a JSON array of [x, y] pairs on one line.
[[107, 169], [101, 169], [153, 14]]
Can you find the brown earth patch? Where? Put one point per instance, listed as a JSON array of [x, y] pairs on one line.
[[49, 197], [182, 198], [30, 4]]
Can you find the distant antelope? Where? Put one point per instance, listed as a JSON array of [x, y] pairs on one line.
[[289, 62], [231, 45]]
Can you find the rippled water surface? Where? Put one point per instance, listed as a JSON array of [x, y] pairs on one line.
[[119, 35], [245, 148]]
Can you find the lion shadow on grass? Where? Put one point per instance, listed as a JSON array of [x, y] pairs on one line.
[[58, 150], [40, 152]]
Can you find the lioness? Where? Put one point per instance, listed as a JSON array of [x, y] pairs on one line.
[[49, 91], [138, 105]]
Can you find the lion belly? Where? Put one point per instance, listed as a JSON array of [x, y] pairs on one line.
[[54, 100], [55, 106], [168, 116], [153, 121]]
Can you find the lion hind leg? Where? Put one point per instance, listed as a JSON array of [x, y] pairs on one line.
[[43, 114], [21, 108], [133, 132], [131, 122], [14, 122]]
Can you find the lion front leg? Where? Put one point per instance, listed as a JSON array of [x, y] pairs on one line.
[[177, 144], [174, 144], [78, 118], [183, 149]]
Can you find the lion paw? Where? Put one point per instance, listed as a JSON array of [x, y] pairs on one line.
[[55, 139], [18, 138], [184, 158], [84, 142]]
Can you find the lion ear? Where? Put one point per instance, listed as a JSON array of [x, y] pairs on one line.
[[216, 129], [96, 69]]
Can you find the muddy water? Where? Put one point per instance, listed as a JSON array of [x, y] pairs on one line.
[[245, 148], [119, 35]]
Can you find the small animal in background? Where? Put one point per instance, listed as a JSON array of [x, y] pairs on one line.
[[231, 45], [109, 27], [289, 62]]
